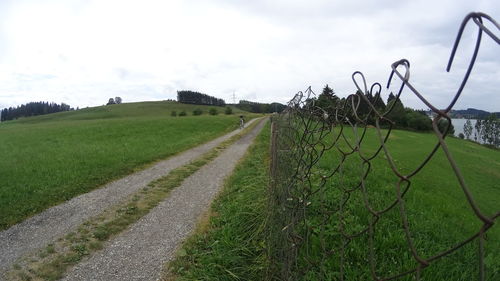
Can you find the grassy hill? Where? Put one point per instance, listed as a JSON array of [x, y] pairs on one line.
[[137, 109], [51, 158]]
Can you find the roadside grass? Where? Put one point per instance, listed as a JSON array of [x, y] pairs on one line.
[[229, 242], [51, 158], [438, 213], [53, 261]]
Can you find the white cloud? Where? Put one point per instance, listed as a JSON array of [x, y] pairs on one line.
[[83, 52]]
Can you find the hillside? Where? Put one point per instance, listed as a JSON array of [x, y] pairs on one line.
[[125, 110], [51, 158], [470, 113]]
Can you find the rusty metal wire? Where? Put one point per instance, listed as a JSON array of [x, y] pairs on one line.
[[313, 208]]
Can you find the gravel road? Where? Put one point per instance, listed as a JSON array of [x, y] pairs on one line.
[[139, 252], [44, 228]]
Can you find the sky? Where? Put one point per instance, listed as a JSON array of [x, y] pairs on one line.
[[83, 52]]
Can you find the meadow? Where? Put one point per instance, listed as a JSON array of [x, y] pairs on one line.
[[438, 214], [229, 243], [51, 158], [238, 239]]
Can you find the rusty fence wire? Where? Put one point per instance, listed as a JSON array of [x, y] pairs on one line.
[[344, 207]]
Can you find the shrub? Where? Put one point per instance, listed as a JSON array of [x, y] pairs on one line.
[[443, 125], [173, 113], [462, 136], [213, 111], [182, 113], [418, 121], [228, 110], [197, 111]]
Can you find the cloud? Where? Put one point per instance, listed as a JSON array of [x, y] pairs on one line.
[[83, 52]]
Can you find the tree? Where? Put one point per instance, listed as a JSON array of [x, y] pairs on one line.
[[327, 99], [478, 130], [468, 129], [397, 113], [490, 130], [461, 135], [390, 98], [111, 101], [118, 100], [443, 125], [32, 109], [257, 107], [378, 103], [418, 121], [192, 97]]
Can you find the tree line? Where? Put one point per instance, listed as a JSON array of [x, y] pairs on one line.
[[403, 117], [257, 107], [192, 97], [33, 109], [484, 130]]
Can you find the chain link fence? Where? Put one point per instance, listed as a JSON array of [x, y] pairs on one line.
[[342, 207]]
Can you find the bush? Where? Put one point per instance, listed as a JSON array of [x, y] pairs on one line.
[[173, 113], [418, 121], [228, 110], [182, 113], [213, 111], [443, 125], [462, 136], [197, 111]]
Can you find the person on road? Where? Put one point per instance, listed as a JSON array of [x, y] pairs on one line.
[[242, 122]]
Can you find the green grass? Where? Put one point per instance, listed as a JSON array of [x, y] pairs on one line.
[[51, 158], [438, 213], [229, 245], [53, 261]]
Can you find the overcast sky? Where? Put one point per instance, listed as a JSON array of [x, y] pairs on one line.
[[82, 52]]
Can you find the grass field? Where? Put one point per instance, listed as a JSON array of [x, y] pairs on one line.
[[438, 214], [229, 245], [51, 158], [51, 262]]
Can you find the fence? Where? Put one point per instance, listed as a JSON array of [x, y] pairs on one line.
[[343, 207]]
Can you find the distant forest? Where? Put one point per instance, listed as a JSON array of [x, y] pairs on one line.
[[198, 98], [257, 107], [33, 109]]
